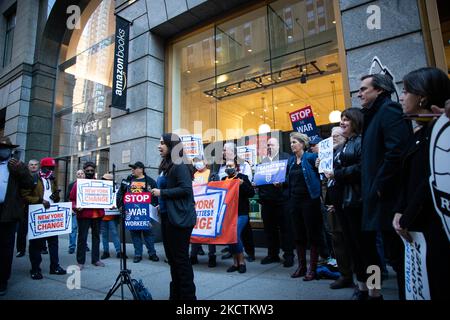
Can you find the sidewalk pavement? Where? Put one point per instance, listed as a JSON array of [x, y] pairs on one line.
[[260, 282]]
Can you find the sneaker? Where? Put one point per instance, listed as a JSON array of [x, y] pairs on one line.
[[3, 289], [360, 295], [288, 261], [99, 264], [137, 259], [224, 250], [71, 251], [58, 270], [242, 268], [270, 259], [36, 275], [227, 255], [212, 263], [105, 255], [250, 257], [153, 257], [201, 252], [341, 283], [20, 254], [194, 260], [233, 269]]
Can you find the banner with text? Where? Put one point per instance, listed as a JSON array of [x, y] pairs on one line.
[[248, 153], [192, 146], [54, 221], [216, 205], [271, 172], [96, 194], [416, 276], [120, 71], [137, 210], [326, 155], [303, 121]]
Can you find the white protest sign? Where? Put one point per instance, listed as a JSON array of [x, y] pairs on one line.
[[416, 276], [326, 155], [54, 221], [94, 194], [440, 170], [115, 211], [192, 145], [248, 153]]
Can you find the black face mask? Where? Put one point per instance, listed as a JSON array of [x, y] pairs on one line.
[[89, 175], [230, 171], [5, 153]]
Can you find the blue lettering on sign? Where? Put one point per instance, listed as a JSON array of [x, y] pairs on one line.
[[137, 216]]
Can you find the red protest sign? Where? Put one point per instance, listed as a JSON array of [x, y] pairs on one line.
[[216, 205]]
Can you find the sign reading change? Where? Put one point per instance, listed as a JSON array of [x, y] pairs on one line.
[[96, 194], [54, 221]]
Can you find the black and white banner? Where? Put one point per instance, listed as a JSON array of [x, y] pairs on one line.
[[120, 76]]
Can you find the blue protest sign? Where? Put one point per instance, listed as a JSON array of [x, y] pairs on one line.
[[271, 172], [137, 210], [303, 122]]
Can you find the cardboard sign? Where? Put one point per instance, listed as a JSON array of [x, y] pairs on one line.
[[416, 276], [326, 155], [216, 205], [54, 221], [271, 172], [303, 121], [97, 194], [440, 170], [137, 210], [192, 145], [248, 153]]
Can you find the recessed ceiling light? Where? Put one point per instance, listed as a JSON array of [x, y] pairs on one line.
[[334, 21], [189, 71], [249, 50]]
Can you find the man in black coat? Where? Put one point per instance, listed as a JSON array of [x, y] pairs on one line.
[[14, 175], [277, 223], [384, 141]]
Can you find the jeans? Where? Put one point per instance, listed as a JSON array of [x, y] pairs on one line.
[[73, 234], [149, 240], [105, 227], [239, 247]]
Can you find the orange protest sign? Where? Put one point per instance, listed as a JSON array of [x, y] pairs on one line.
[[216, 204]]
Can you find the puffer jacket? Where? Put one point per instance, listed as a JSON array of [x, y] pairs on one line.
[[347, 173]]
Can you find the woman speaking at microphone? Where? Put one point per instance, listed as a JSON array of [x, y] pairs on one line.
[[178, 217]]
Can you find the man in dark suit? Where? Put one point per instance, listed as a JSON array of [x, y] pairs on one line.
[[14, 175], [384, 140], [277, 224]]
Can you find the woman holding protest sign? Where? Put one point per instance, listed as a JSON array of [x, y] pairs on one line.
[[304, 192], [424, 90], [178, 216], [246, 191]]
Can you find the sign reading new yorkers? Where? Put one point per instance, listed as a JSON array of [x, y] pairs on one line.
[[119, 90], [303, 122]]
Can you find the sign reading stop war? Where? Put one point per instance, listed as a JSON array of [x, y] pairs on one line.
[[137, 210], [303, 122], [326, 155], [216, 205], [51, 222], [96, 194]]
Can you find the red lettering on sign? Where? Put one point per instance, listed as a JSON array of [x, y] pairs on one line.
[[203, 223]]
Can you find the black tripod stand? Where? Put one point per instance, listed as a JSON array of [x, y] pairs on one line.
[[124, 277]]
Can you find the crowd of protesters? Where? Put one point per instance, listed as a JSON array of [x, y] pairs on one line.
[[378, 189]]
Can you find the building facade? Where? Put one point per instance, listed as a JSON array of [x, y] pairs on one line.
[[226, 70]]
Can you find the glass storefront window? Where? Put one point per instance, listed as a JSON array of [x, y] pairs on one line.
[[239, 79], [83, 93]]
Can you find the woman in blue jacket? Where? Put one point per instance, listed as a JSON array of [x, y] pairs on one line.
[[304, 204]]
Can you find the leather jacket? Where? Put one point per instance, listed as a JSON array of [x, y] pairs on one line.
[[347, 172]]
